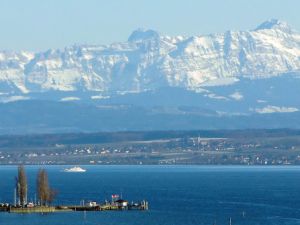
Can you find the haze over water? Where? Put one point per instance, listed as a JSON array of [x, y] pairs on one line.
[[178, 195]]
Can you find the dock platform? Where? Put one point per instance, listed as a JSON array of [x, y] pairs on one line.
[[143, 205]]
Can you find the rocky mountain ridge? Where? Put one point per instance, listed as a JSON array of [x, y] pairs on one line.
[[149, 61]]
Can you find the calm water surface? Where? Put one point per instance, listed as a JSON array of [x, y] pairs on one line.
[[178, 195]]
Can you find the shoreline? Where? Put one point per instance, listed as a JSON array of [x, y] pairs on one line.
[[156, 165]]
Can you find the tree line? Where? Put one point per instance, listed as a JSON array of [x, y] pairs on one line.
[[45, 193]]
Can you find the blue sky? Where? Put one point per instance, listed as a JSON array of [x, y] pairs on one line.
[[42, 24]]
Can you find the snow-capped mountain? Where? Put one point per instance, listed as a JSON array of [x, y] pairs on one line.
[[149, 60], [237, 79]]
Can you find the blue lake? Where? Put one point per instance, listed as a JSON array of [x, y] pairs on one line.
[[178, 195]]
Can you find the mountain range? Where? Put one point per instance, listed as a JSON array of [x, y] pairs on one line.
[[235, 79]]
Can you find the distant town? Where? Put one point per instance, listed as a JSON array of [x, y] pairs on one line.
[[261, 147]]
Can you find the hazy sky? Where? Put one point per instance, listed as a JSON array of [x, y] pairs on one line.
[[43, 24]]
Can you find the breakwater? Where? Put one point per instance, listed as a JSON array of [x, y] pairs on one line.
[[91, 206]]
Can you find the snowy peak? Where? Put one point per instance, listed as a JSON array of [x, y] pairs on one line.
[[274, 24], [149, 61], [143, 34]]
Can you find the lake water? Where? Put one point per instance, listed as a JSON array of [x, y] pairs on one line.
[[178, 195]]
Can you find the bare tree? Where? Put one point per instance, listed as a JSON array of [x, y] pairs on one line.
[[21, 186], [45, 194]]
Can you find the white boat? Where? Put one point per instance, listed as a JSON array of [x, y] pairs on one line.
[[75, 169]]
